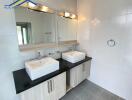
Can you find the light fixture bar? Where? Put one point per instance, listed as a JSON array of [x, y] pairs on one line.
[[31, 5], [34, 6]]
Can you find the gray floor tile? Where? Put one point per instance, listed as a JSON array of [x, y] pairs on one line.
[[108, 96], [89, 91], [87, 96], [70, 96]]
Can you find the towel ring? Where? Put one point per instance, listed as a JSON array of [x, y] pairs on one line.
[[111, 43]]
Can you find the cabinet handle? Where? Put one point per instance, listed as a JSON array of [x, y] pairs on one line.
[[83, 69], [48, 87], [51, 85]]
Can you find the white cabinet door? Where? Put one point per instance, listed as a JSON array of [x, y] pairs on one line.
[[76, 76], [79, 73], [60, 85], [73, 79], [52, 93], [86, 69], [39, 92]]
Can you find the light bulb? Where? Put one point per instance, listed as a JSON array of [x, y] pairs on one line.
[[73, 16], [44, 8], [67, 14], [31, 5]]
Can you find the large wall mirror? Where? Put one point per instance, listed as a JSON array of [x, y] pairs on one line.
[[67, 29], [35, 28]]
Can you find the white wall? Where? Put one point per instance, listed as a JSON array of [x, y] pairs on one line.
[[99, 21], [11, 59]]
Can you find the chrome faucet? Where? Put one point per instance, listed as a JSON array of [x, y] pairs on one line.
[[59, 52], [39, 54]]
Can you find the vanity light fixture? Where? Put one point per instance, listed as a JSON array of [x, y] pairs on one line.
[[68, 15], [40, 8], [45, 9], [31, 5]]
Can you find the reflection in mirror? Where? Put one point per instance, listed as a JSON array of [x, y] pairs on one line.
[[23, 32], [67, 29], [34, 27]]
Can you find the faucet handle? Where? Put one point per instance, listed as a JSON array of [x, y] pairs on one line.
[[39, 54]]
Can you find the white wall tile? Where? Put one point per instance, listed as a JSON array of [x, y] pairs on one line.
[[111, 66]]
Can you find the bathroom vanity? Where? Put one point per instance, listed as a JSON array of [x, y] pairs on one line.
[[52, 86]]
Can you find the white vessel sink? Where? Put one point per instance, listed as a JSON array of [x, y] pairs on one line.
[[73, 56], [39, 68]]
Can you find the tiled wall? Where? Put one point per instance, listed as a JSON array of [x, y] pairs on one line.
[[99, 21]]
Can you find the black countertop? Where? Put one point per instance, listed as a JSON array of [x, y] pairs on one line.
[[23, 81]]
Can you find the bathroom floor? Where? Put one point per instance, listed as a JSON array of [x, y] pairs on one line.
[[89, 91]]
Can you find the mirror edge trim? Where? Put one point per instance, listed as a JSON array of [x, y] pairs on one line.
[[35, 47]]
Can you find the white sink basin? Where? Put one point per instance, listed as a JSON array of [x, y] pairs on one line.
[[73, 56], [39, 68]]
